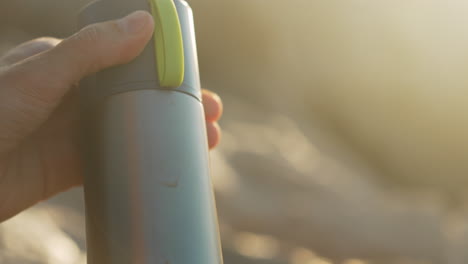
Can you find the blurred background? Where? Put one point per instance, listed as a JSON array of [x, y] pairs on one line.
[[344, 131]]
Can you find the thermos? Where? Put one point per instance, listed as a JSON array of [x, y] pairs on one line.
[[148, 192]]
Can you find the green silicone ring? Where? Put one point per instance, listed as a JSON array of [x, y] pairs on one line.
[[168, 43]]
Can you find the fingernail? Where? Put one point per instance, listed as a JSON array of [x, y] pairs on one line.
[[135, 22]]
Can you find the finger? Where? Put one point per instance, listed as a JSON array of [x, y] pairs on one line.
[[213, 106], [28, 49], [30, 90], [214, 134]]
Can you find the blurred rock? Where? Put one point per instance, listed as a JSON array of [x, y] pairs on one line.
[[33, 237], [271, 178]]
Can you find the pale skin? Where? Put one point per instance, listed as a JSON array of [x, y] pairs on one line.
[[39, 156]]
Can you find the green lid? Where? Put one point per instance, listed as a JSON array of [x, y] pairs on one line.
[[168, 43]]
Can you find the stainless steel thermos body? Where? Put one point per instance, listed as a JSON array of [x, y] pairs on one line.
[[148, 192]]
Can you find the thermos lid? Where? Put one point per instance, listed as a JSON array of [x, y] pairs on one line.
[[169, 62], [169, 49]]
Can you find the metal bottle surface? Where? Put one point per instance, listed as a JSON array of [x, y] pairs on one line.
[[148, 192]]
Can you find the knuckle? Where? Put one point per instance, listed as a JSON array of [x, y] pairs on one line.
[[90, 35]]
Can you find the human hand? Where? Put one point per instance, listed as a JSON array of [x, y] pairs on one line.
[[39, 156]]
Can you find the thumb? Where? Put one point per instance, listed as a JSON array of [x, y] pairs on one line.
[[31, 89], [103, 45]]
